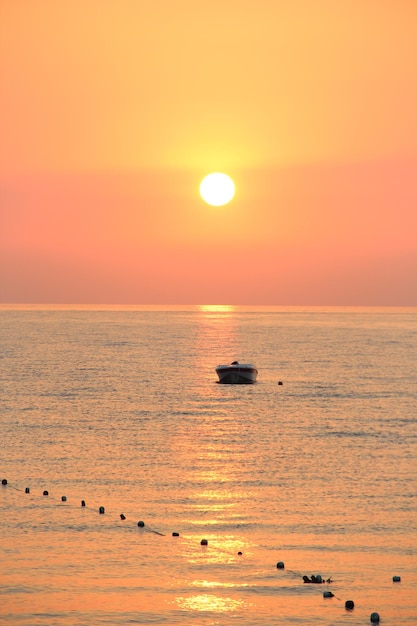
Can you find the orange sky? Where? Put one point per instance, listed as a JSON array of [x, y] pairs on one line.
[[111, 112]]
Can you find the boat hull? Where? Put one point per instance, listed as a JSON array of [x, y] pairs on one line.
[[237, 374]]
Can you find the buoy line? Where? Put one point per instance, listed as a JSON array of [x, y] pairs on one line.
[[143, 527], [314, 579], [45, 494], [102, 511]]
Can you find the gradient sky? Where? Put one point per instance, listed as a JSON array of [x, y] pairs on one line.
[[111, 112]]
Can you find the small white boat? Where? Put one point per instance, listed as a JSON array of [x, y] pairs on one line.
[[237, 373]]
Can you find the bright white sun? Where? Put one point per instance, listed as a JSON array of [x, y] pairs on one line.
[[217, 189]]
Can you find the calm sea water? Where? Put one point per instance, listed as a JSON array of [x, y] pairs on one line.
[[121, 409]]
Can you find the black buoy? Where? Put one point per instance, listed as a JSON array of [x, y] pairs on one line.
[[122, 516], [101, 510], [27, 490], [64, 498], [141, 524], [374, 618], [349, 605], [82, 502], [175, 534], [4, 481], [396, 579], [280, 382], [280, 565], [328, 594], [204, 542], [45, 493], [240, 553]]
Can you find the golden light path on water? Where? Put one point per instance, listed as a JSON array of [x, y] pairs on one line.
[[212, 603], [216, 505]]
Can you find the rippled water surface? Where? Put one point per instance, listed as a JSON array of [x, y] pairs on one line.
[[121, 409]]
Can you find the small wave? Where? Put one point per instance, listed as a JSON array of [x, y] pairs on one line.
[[345, 433]]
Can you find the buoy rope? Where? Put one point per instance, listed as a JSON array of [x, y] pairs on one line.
[[101, 509], [143, 527], [203, 542], [46, 494]]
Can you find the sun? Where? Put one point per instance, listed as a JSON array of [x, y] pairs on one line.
[[217, 189]]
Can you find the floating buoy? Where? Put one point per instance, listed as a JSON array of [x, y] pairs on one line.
[[318, 579], [204, 542], [64, 498], [328, 594], [175, 534], [374, 618], [280, 382], [141, 524], [349, 605], [45, 493], [101, 510], [4, 481], [396, 579], [122, 516], [280, 565], [27, 490], [82, 502], [240, 553]]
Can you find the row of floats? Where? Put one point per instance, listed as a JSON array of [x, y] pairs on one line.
[[312, 579]]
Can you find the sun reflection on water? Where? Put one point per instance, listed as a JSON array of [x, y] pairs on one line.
[[209, 602], [214, 584], [216, 308]]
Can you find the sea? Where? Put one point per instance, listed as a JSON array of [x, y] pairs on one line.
[[136, 489]]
